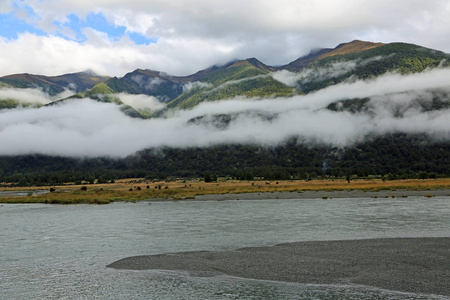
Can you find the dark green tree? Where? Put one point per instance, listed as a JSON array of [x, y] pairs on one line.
[[207, 177]]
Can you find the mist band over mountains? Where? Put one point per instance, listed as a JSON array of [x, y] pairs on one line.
[[332, 97]]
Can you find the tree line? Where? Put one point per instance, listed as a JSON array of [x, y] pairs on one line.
[[393, 156]]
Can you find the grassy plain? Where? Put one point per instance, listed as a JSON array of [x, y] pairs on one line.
[[141, 189]]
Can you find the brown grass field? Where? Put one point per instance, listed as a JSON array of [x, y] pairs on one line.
[[141, 189]]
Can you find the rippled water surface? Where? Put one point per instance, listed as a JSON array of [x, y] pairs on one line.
[[60, 252]]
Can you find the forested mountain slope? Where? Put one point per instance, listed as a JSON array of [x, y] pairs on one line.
[[361, 108]]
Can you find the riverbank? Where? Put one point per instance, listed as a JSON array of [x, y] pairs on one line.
[[327, 194], [141, 189], [417, 265]]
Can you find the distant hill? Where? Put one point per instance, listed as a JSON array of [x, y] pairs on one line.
[[249, 78], [404, 58], [392, 154], [53, 85], [252, 78], [352, 47], [241, 78], [345, 48]]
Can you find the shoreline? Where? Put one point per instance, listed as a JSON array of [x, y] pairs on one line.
[[321, 194], [416, 265], [134, 190], [251, 195]]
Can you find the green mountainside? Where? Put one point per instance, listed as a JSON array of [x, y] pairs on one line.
[[251, 78], [398, 57], [435, 100], [138, 82], [392, 156], [94, 93], [396, 154], [102, 92], [49, 85], [11, 103], [345, 48], [148, 82], [244, 78], [248, 78], [53, 85]]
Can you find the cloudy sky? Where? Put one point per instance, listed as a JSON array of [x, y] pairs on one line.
[[114, 37]]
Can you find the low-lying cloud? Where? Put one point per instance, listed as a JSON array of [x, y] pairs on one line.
[[85, 128], [196, 85], [333, 70], [141, 102], [31, 96]]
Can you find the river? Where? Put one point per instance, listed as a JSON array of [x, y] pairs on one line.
[[61, 252]]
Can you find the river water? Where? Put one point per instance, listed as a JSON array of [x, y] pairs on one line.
[[61, 252]]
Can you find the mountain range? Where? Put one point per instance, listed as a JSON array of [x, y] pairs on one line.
[[360, 108], [240, 78], [53, 85]]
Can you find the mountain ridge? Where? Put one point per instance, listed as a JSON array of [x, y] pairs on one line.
[[397, 134], [343, 48], [245, 78], [351, 47], [77, 82], [320, 53]]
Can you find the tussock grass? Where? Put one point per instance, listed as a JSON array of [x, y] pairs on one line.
[[136, 189]]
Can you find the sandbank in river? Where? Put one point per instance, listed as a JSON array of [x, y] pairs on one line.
[[417, 265]]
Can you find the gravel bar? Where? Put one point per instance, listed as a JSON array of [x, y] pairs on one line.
[[419, 265]]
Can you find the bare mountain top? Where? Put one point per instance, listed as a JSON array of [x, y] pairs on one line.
[[345, 48], [353, 46]]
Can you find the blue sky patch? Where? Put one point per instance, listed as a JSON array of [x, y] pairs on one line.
[[95, 21], [11, 26], [139, 39]]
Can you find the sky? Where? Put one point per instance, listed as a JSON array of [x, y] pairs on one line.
[[180, 37]]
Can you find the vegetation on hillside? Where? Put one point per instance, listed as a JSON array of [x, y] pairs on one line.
[[393, 156], [237, 80], [152, 83], [432, 100], [98, 89], [8, 104], [54, 85], [11, 103], [398, 57]]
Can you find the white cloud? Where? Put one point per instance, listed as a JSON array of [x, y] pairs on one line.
[[88, 128], [54, 55], [332, 70], [141, 102], [196, 85], [139, 22], [195, 34], [5, 6], [286, 77], [31, 96], [147, 84]]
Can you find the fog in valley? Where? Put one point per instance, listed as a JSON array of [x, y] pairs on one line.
[[86, 128]]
